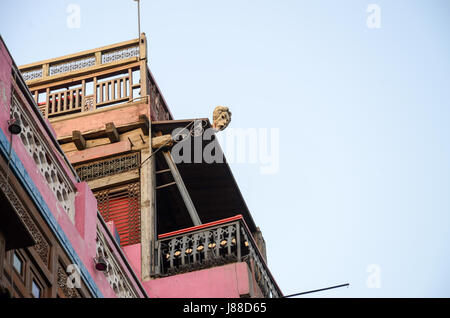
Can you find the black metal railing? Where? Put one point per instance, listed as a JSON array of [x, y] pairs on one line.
[[214, 244]]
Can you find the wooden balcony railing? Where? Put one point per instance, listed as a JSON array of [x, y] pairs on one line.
[[93, 79], [213, 244], [65, 101], [101, 58], [89, 93]]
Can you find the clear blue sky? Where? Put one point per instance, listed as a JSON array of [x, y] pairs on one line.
[[363, 116]]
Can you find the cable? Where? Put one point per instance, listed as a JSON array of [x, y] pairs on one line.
[[173, 138], [317, 290]]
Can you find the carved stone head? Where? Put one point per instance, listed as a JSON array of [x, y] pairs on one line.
[[221, 118]]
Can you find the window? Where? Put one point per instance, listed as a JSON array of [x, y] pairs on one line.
[[18, 263], [36, 290], [122, 205]]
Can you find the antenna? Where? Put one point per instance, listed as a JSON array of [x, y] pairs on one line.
[[139, 17]]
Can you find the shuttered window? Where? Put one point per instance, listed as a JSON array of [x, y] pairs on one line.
[[122, 205]]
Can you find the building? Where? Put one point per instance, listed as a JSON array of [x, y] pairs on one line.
[[96, 168]]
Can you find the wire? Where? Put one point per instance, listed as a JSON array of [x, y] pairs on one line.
[[317, 290], [173, 138]]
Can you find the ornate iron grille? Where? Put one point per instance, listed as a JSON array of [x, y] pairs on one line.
[[107, 167], [215, 245], [122, 206]]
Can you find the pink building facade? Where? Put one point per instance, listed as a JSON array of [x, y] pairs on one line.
[[118, 213]]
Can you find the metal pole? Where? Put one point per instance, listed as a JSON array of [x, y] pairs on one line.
[[182, 188], [139, 17]]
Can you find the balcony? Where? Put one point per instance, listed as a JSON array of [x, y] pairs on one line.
[[214, 244], [91, 80]]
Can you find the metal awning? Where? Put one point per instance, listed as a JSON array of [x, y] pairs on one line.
[[212, 186]]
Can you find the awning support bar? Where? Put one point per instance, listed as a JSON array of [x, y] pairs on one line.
[[182, 188]]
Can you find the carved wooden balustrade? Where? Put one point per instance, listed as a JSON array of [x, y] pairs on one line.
[[214, 244], [93, 79]]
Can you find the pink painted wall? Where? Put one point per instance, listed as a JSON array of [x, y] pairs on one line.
[[133, 253], [82, 233], [5, 84], [228, 281]]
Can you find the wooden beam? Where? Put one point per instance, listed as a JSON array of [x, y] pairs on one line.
[[116, 179], [112, 133], [144, 124], [79, 140], [162, 141], [165, 185], [162, 171]]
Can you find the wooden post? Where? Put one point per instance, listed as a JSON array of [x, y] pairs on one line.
[[95, 93], [149, 244], [238, 240], [45, 70], [83, 94], [142, 47], [98, 58], [148, 214], [130, 83], [143, 66], [47, 102]]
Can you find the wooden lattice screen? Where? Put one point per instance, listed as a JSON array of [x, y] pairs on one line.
[[107, 167], [122, 205]]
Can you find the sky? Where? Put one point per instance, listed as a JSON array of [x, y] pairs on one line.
[[361, 193]]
